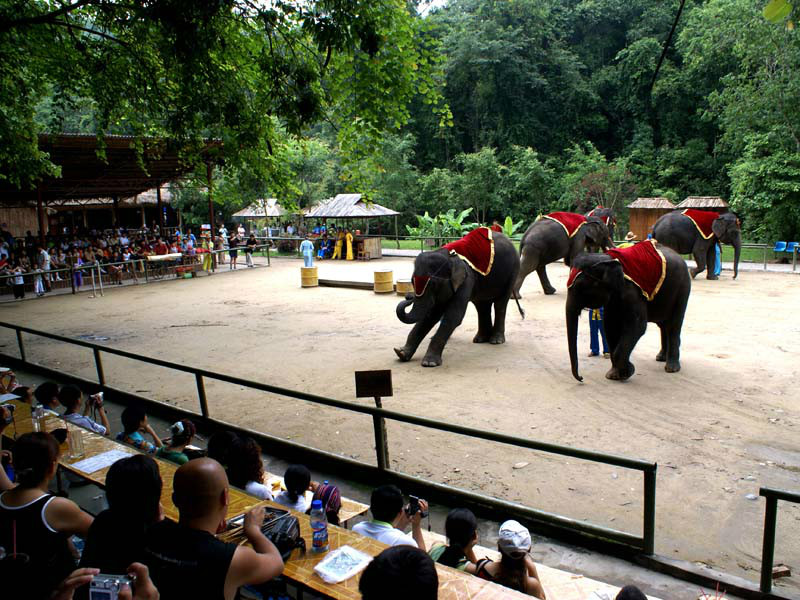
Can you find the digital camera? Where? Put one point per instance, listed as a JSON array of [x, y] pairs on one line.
[[107, 587], [414, 507], [96, 400], [11, 408]]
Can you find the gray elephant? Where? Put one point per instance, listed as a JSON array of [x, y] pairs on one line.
[[607, 216], [555, 236], [447, 280], [644, 283], [696, 232]]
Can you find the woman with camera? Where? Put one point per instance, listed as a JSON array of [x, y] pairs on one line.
[[72, 398]]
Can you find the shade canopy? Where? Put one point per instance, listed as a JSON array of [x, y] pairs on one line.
[[122, 173], [704, 202], [655, 203], [348, 206], [261, 209]]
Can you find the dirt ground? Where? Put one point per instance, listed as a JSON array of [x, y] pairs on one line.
[[725, 425]]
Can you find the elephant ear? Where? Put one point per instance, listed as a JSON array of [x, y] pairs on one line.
[[718, 226], [458, 272], [610, 273]]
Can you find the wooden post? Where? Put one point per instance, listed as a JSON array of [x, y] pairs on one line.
[[40, 213], [160, 209], [144, 218], [210, 199], [115, 211], [396, 234], [85, 220]]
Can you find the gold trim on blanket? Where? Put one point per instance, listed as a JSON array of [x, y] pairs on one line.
[[700, 231], [564, 226], [491, 255]]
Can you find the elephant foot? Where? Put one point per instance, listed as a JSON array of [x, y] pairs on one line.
[[402, 355], [661, 356], [516, 295], [621, 374], [712, 277], [480, 338], [549, 291], [672, 367], [432, 361], [498, 338], [694, 273]]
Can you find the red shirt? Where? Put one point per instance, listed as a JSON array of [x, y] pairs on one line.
[[162, 248]]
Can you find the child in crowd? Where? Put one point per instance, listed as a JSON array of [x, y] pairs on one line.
[[245, 469], [24, 393], [72, 398], [134, 424], [297, 480], [331, 500], [219, 445], [515, 569], [461, 529], [182, 433], [46, 395]]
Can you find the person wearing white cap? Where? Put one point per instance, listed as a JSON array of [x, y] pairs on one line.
[[516, 569]]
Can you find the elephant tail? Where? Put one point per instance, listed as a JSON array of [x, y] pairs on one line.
[[519, 307]]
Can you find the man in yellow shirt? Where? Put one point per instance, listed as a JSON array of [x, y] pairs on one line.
[[337, 251], [349, 237]]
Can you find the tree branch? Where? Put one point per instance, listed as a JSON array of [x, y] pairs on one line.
[[92, 31], [45, 18]]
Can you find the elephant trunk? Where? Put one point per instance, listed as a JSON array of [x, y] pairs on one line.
[[573, 313], [737, 251], [409, 318]]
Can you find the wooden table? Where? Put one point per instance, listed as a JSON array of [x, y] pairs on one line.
[[350, 508], [453, 584]]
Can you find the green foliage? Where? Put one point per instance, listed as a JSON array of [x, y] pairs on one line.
[[444, 225], [510, 228]]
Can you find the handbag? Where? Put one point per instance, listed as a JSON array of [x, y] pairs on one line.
[[284, 532]]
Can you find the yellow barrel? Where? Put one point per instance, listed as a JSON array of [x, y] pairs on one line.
[[308, 277], [404, 286], [384, 282]]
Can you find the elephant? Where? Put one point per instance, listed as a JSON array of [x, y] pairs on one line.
[[677, 231], [598, 280], [448, 285], [607, 215], [546, 241]]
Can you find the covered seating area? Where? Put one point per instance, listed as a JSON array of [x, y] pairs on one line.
[[266, 211], [349, 209]]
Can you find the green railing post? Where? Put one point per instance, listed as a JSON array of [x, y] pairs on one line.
[[649, 527], [21, 345], [201, 395], [98, 363], [768, 548]]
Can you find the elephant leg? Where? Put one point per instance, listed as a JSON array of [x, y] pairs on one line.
[[662, 353], [542, 272], [700, 254], [711, 261], [484, 322], [416, 335], [630, 328], [453, 315], [673, 330]]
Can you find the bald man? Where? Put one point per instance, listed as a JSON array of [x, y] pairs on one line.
[[187, 561]]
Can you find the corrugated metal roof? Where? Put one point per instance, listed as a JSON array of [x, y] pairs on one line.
[[261, 209], [703, 202], [349, 206], [146, 198], [652, 203]]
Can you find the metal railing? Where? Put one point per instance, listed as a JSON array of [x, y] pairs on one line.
[[643, 543], [770, 525]]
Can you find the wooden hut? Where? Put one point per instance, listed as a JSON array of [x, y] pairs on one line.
[[644, 212], [710, 203]]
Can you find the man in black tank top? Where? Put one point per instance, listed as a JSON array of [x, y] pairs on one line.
[[187, 561]]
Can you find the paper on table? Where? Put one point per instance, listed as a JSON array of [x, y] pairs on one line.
[[6, 397], [342, 563], [100, 461]]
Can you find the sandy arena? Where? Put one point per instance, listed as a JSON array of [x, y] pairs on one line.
[[725, 425]]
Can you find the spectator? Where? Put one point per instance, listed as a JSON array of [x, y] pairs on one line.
[[630, 592], [219, 445], [71, 397], [7, 471], [24, 393], [297, 479], [145, 590], [134, 424], [161, 247], [46, 395], [8, 382], [461, 528], [400, 573], [331, 500], [43, 262], [249, 247], [515, 569], [245, 469], [186, 560], [390, 518], [182, 433], [36, 523], [233, 244], [116, 538], [18, 284]]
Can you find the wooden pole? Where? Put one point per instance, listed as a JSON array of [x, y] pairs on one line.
[[396, 233], [210, 199], [160, 209], [115, 211], [40, 213]]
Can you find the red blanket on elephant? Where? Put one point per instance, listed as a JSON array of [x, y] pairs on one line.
[[702, 219], [571, 222], [476, 249], [643, 264]]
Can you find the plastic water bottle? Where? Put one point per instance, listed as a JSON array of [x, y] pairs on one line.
[[319, 527]]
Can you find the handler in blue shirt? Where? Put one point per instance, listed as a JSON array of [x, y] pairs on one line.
[[307, 250]]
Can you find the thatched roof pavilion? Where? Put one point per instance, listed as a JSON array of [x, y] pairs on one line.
[[711, 203], [644, 212]]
